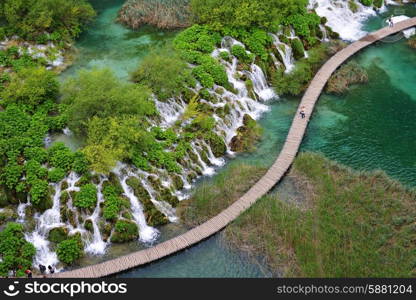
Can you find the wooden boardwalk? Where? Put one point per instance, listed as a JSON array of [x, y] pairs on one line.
[[269, 180]]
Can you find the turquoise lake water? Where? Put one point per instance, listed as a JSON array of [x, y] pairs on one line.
[[371, 127]]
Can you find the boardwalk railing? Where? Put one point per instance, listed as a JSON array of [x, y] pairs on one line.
[[269, 180]]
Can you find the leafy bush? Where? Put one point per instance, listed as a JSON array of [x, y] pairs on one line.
[[86, 197], [241, 53], [70, 250], [298, 50], [31, 19], [39, 191], [165, 73], [17, 254], [367, 2], [100, 93], [56, 174], [245, 13], [112, 203], [60, 156], [124, 231], [30, 88]]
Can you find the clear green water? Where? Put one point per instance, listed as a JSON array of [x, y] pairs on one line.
[[370, 127], [109, 44]]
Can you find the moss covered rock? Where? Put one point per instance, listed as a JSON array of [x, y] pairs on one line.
[[246, 136], [351, 73], [124, 231], [58, 234], [153, 216], [217, 143]]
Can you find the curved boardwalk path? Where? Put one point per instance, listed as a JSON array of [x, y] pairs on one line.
[[272, 177]]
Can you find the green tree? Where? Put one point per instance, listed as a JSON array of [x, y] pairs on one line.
[[30, 87], [99, 93]]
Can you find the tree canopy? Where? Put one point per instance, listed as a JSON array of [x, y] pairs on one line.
[[36, 19], [99, 93]]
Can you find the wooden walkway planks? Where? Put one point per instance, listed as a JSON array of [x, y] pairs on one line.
[[270, 179]]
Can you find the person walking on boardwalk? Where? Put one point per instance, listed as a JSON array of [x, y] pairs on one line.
[[390, 21], [302, 112]]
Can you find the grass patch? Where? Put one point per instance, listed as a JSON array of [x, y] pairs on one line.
[[357, 225], [212, 197]]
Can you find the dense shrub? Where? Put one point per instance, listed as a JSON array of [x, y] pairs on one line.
[[99, 93], [297, 47], [245, 13], [56, 175], [70, 250], [31, 19], [241, 53], [17, 254], [86, 197], [60, 156], [30, 88], [124, 231], [165, 73]]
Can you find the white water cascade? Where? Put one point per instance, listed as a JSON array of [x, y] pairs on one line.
[[285, 52], [50, 219], [341, 19], [147, 233], [97, 246], [324, 33]]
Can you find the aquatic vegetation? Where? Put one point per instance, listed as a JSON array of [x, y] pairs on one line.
[[211, 198], [160, 13], [246, 134], [348, 74], [369, 232]]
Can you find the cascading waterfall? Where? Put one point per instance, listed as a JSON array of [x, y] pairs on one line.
[[21, 210], [97, 246], [170, 111], [341, 19], [286, 53], [50, 219], [162, 206], [241, 102], [324, 33], [147, 233]]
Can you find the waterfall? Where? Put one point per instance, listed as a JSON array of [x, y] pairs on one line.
[[170, 111], [341, 19], [276, 62], [286, 54], [324, 33], [21, 210], [147, 233], [97, 246], [50, 219], [206, 170], [260, 84]]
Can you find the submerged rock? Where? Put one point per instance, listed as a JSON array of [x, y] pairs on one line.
[[246, 136], [346, 76]]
